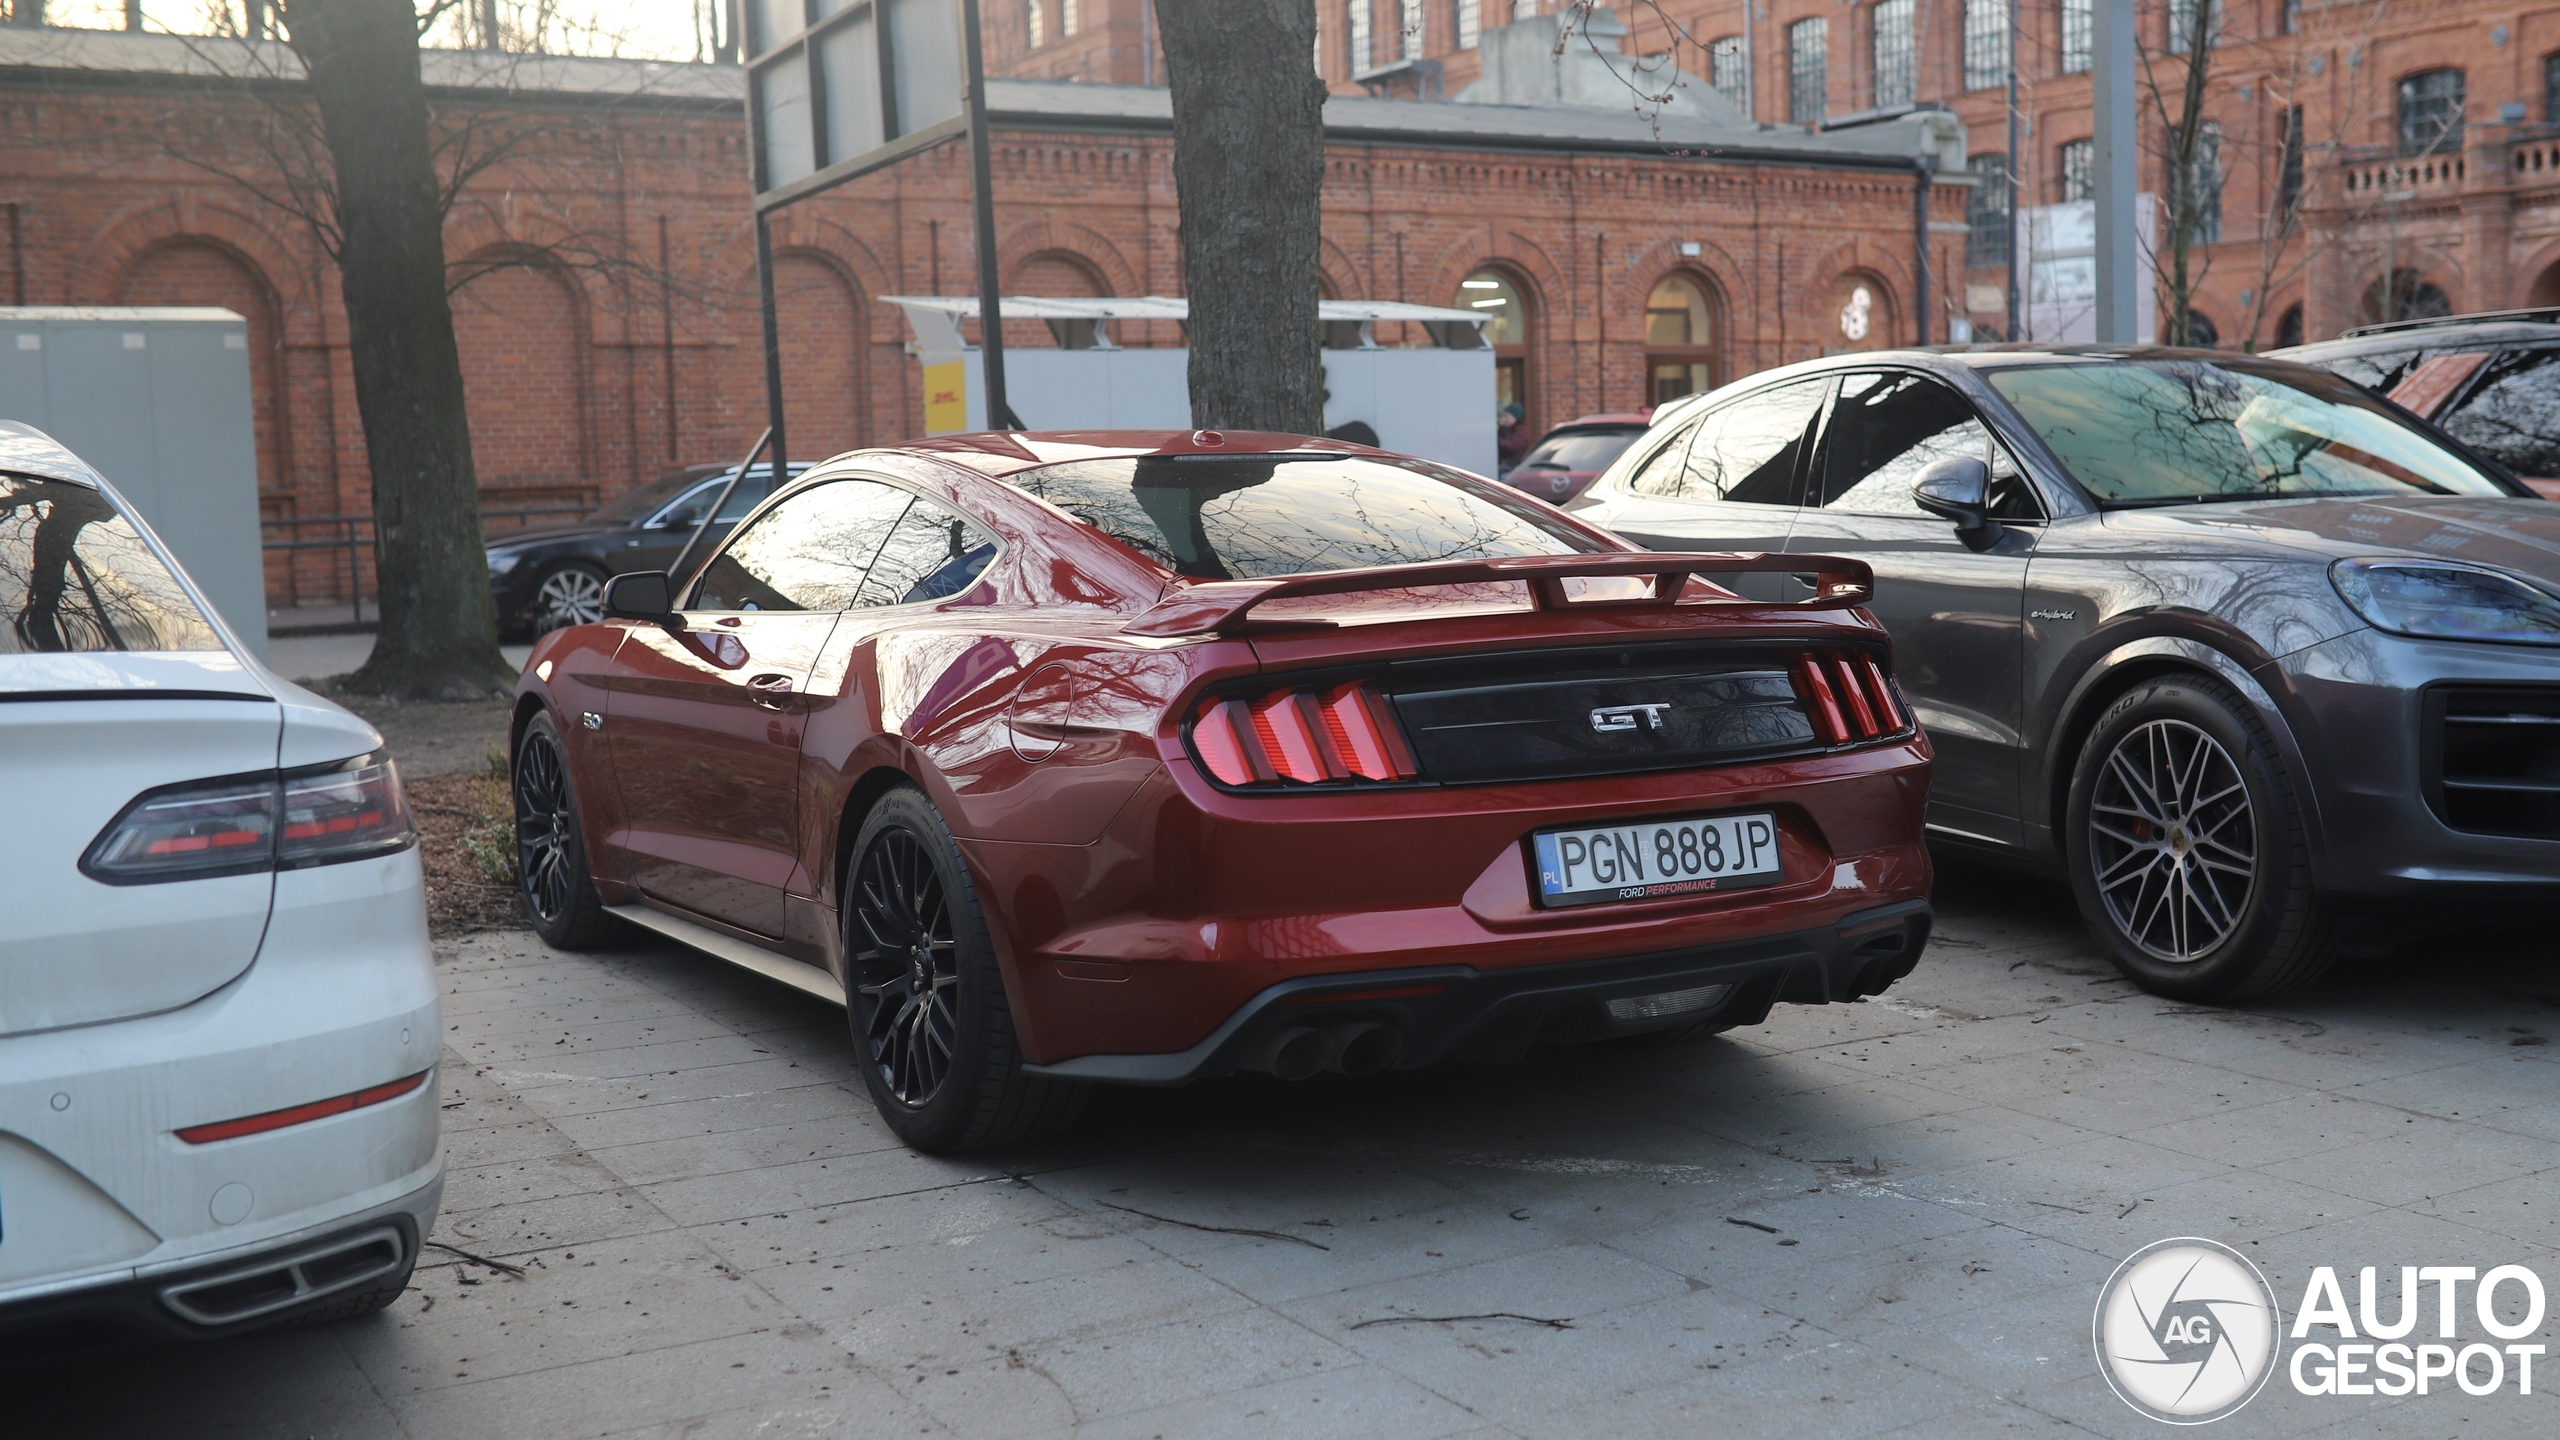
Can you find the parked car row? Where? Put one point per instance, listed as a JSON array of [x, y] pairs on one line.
[[1140, 758]]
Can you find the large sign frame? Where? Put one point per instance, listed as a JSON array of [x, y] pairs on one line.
[[839, 88]]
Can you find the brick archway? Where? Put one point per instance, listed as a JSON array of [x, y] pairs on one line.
[[521, 324]]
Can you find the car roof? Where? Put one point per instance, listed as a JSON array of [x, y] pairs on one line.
[[2410, 337], [1604, 422], [999, 453], [27, 450]]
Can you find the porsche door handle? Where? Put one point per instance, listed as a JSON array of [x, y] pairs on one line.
[[770, 691]]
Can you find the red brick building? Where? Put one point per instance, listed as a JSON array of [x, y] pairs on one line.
[[605, 300], [2375, 157]]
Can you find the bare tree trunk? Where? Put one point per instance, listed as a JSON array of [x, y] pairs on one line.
[[2185, 139], [1248, 168], [438, 632]]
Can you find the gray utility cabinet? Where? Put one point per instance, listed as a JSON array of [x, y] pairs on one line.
[[156, 400]]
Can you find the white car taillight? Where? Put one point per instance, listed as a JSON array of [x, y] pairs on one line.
[[344, 813], [329, 813]]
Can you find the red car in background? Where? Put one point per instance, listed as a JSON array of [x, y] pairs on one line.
[[1135, 758], [1568, 458]]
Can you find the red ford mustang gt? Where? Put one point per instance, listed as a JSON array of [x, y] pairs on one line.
[[1138, 757]]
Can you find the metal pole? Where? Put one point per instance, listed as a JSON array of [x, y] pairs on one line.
[[1921, 169], [772, 344], [982, 198], [2112, 168], [667, 330], [355, 578], [675, 567], [2009, 182]]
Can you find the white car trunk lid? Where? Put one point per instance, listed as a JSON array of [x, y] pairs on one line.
[[80, 737]]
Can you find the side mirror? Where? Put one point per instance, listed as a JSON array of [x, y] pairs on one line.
[[1958, 488], [640, 595]]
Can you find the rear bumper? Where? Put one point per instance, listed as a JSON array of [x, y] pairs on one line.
[[274, 1283], [97, 1188], [1458, 1012]]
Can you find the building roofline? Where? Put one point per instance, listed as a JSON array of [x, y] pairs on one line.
[[62, 59]]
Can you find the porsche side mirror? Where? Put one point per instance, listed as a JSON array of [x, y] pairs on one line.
[[1958, 488], [640, 595]]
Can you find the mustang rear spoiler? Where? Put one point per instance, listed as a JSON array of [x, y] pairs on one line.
[[1219, 607]]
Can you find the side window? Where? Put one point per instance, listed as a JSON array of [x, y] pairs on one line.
[[933, 554], [1752, 450], [1661, 472], [2514, 415], [1886, 428], [808, 553]]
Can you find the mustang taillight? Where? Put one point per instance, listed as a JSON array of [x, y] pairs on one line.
[[1850, 696], [248, 823], [1301, 736]]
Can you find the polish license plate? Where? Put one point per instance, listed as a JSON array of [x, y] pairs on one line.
[[1686, 856]]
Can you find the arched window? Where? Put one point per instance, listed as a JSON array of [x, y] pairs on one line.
[[2431, 112], [1036, 22], [2289, 327], [1679, 336], [1495, 294], [2401, 295]]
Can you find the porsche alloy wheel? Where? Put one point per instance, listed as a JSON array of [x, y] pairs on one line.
[[551, 850], [570, 595], [2174, 839], [908, 977], [2187, 849], [927, 998]]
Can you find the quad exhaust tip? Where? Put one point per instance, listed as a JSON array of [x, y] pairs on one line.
[[1358, 1048]]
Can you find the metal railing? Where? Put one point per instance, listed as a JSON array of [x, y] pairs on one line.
[[354, 537]]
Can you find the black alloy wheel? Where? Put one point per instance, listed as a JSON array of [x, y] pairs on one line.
[[926, 996], [2173, 839], [551, 849], [908, 976], [2187, 849]]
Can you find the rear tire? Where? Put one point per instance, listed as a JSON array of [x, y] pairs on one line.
[[2187, 848], [931, 1025], [552, 873]]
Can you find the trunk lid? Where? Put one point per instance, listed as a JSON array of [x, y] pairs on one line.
[[81, 735]]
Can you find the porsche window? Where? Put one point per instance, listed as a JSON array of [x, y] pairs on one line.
[[1216, 518], [75, 576], [2169, 432], [1746, 452], [1886, 428], [810, 552]]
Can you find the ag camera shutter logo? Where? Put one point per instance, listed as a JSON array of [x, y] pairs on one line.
[[2187, 1331]]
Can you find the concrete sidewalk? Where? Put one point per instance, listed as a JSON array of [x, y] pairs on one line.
[[1883, 1218]]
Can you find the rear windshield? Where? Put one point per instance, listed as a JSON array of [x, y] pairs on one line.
[[1580, 450], [75, 576], [1254, 516], [2167, 432]]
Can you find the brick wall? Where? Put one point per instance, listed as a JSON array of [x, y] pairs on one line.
[[590, 367]]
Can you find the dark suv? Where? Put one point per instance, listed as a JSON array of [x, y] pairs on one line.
[[544, 579], [2267, 669], [2492, 380]]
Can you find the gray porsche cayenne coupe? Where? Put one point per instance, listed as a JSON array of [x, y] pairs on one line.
[[2267, 668]]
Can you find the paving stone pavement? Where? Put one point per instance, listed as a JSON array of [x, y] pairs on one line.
[[1889, 1218]]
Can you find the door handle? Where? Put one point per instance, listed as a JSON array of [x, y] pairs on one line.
[[770, 691]]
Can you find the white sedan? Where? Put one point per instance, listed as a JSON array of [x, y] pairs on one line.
[[218, 1022]]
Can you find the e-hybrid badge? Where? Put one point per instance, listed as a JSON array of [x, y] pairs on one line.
[[1656, 857]]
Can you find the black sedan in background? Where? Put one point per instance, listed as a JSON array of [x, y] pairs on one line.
[[2267, 670], [545, 578]]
